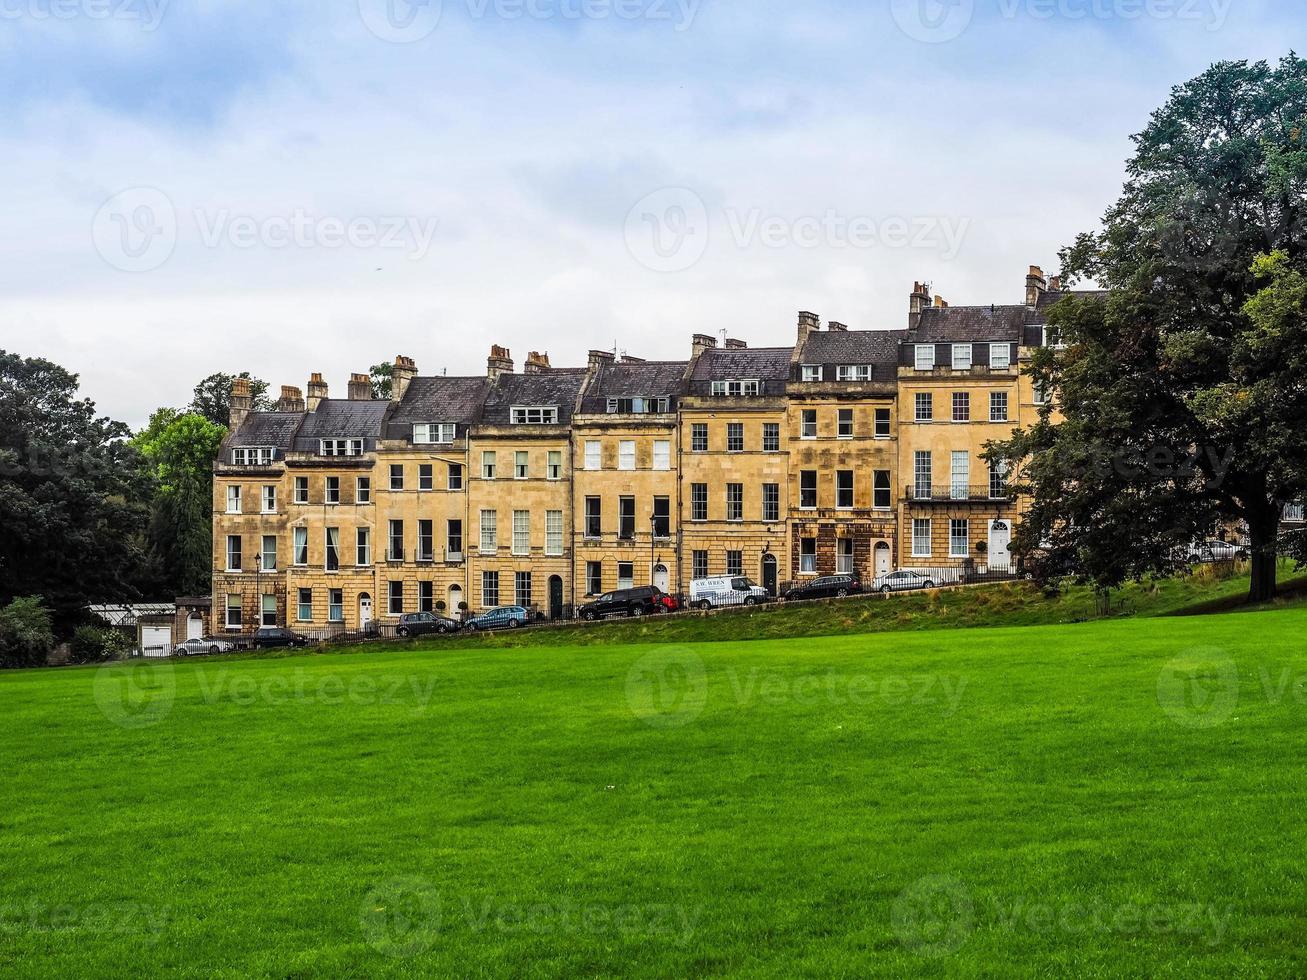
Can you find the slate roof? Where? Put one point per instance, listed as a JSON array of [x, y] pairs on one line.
[[974, 324], [853, 347], [456, 400], [338, 418], [647, 379], [276, 429], [557, 387], [1048, 299], [764, 363]]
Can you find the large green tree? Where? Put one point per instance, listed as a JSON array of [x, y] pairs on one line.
[[181, 448], [74, 494], [1181, 387], [212, 396]]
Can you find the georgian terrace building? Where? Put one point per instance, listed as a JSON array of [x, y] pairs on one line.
[[850, 451]]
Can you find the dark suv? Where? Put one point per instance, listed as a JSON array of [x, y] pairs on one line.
[[829, 587], [420, 624], [644, 600], [272, 637]]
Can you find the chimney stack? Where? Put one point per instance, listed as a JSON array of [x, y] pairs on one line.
[[537, 363], [360, 388], [401, 376], [499, 362], [700, 343], [732, 344], [241, 403], [836, 327], [598, 358], [292, 400], [317, 390], [809, 323], [1036, 285], [918, 303], [941, 303], [1055, 284]]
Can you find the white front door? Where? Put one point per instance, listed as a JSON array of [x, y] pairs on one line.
[[365, 610], [660, 579], [882, 559], [1000, 536], [195, 628]]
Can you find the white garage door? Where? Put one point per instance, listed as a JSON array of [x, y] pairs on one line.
[[155, 639]]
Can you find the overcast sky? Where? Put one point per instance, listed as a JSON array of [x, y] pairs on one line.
[[202, 185]]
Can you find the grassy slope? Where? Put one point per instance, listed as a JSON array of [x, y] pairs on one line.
[[794, 793], [1019, 604]]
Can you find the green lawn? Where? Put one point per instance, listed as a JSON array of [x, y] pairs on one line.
[[1102, 799]]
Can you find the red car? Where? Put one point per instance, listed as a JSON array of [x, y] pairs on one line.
[[669, 603]]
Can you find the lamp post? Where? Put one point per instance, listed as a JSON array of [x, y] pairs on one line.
[[653, 544]]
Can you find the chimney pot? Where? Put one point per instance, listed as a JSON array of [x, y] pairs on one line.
[[500, 362], [1036, 286], [918, 302], [360, 388], [834, 326], [401, 376], [537, 363], [733, 344], [292, 399], [702, 342], [240, 404], [317, 392], [598, 358]]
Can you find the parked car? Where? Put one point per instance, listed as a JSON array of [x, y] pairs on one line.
[[272, 637], [196, 647], [1215, 550], [505, 617], [423, 623], [669, 603], [643, 600], [726, 590], [902, 581], [827, 587]]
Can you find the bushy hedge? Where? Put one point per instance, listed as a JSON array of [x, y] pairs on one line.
[[26, 633], [96, 645]]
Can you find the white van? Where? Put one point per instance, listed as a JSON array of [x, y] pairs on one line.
[[726, 590]]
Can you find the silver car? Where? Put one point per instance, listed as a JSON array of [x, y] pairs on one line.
[[901, 582], [196, 647]]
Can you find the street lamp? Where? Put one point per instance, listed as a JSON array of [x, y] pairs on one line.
[[653, 544]]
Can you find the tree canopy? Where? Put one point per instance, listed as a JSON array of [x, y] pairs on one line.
[[212, 397]]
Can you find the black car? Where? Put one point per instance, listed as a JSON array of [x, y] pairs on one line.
[[644, 600], [272, 637], [829, 587], [420, 624]]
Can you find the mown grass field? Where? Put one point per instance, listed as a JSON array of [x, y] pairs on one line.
[[1100, 799]]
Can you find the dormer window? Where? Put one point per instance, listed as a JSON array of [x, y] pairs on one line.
[[736, 389], [434, 433], [1053, 338], [1000, 356], [925, 357], [252, 456], [638, 406], [341, 447], [811, 372], [535, 415], [854, 372], [962, 357]]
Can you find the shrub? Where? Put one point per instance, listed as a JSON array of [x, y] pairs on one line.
[[96, 645], [26, 635]]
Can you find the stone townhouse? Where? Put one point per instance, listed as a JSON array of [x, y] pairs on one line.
[[850, 451]]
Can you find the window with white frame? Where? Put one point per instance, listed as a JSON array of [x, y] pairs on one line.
[[921, 537], [252, 456], [363, 490], [961, 406], [735, 501], [811, 372], [844, 489], [553, 532], [961, 357], [426, 597], [736, 389], [455, 476], [1053, 337], [960, 475], [998, 406], [1000, 356], [809, 430], [300, 536], [883, 491], [594, 577], [698, 501], [426, 476], [234, 553], [521, 465], [340, 447], [521, 532], [959, 538], [662, 517], [396, 476], [699, 564], [336, 605], [268, 554], [233, 500], [808, 489], [535, 415], [301, 489], [735, 563], [771, 437], [489, 460], [304, 607], [522, 588], [426, 541], [363, 547], [1294, 513], [699, 437], [625, 574], [771, 502], [331, 549], [594, 455], [234, 616], [844, 556], [1040, 393], [735, 437], [662, 455], [332, 492], [626, 455], [489, 532], [434, 433], [639, 406], [395, 598], [808, 556], [454, 540], [922, 472], [395, 550], [268, 611], [845, 423], [554, 465], [594, 517], [854, 372], [924, 357], [269, 500], [925, 406], [998, 480], [883, 423]]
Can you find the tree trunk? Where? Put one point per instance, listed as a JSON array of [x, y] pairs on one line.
[[1264, 561]]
